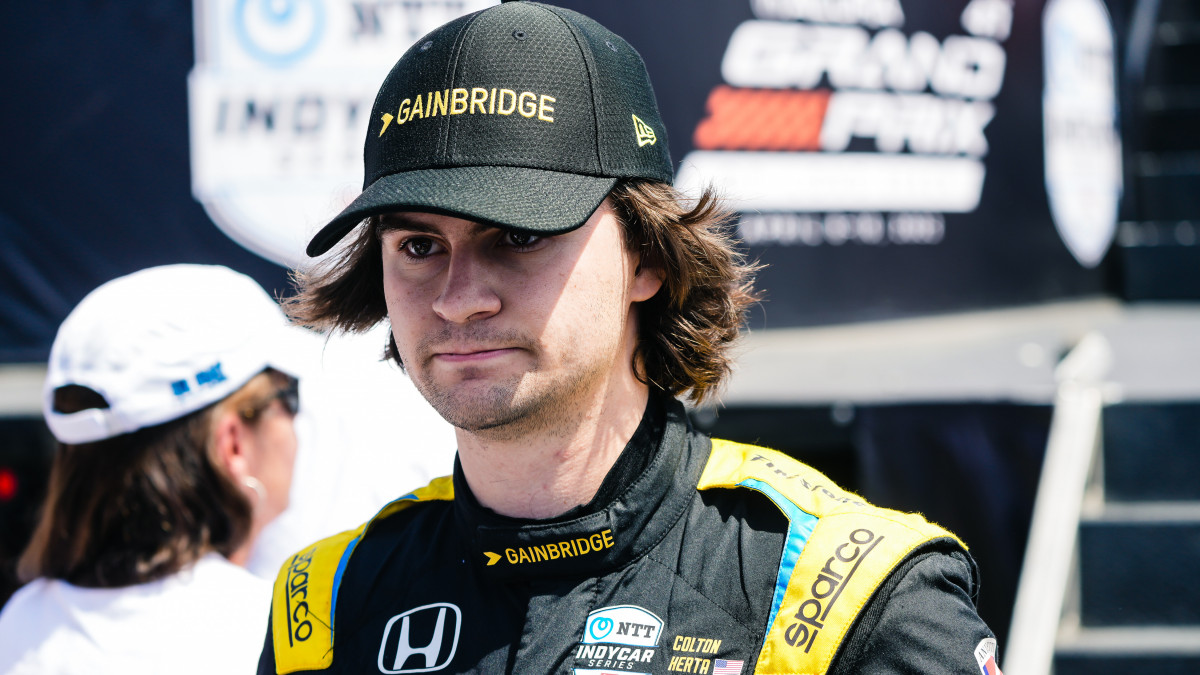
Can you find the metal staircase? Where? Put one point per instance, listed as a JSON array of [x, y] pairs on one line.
[[1111, 579], [1137, 606], [1134, 604]]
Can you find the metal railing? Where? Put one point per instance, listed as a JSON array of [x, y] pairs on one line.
[[1050, 554]]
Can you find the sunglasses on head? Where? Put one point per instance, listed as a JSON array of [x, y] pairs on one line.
[[288, 395]]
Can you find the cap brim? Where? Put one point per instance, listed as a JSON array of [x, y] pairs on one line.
[[515, 197]]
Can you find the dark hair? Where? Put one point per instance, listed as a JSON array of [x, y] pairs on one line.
[[141, 506], [685, 330]]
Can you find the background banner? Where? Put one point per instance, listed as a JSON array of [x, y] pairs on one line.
[[887, 156]]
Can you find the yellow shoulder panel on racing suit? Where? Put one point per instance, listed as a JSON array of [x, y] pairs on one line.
[[302, 605], [839, 550]]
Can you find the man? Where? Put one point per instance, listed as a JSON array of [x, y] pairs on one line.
[[551, 295]]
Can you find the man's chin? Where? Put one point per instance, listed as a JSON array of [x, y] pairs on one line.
[[474, 405], [478, 420], [501, 407]]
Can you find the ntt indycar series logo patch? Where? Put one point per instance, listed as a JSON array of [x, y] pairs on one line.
[[618, 639]]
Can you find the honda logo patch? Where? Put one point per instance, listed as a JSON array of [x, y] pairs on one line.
[[420, 640]]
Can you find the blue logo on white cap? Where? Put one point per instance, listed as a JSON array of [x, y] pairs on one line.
[[204, 378]]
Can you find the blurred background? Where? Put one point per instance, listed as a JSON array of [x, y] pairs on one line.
[[980, 220]]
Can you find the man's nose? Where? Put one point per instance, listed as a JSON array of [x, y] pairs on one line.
[[468, 292]]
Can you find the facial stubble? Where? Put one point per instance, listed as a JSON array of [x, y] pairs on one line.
[[532, 401]]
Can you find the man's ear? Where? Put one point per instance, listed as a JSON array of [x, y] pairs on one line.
[[647, 281], [229, 442]]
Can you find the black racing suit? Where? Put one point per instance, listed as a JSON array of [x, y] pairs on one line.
[[655, 575]]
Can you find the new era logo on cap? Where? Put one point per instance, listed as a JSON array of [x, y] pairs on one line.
[[645, 135], [517, 115]]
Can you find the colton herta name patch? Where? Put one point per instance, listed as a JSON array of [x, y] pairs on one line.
[[622, 638]]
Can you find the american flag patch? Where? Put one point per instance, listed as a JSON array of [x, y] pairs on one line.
[[723, 667], [985, 655]]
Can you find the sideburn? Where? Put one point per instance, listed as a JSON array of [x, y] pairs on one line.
[[392, 352]]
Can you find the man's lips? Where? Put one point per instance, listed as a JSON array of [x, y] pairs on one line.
[[470, 355]]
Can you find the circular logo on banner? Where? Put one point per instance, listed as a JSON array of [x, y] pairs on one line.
[[278, 106], [1082, 145], [279, 32]]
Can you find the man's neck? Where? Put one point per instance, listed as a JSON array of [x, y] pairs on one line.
[[545, 473]]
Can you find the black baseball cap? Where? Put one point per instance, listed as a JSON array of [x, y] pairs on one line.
[[521, 115]]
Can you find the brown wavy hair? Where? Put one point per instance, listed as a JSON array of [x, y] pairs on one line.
[[685, 330], [140, 506]]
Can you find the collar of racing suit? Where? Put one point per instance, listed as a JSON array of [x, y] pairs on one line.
[[643, 496]]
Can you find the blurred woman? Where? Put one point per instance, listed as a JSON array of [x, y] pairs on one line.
[[172, 393]]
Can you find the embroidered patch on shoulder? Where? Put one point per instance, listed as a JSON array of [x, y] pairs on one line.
[[985, 656]]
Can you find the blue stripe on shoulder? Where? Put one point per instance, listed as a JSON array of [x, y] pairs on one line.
[[800, 528], [337, 578], [345, 559]]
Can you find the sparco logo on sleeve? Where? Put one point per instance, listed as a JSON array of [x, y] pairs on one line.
[[420, 640], [828, 586]]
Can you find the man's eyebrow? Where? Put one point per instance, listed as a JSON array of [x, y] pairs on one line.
[[399, 221]]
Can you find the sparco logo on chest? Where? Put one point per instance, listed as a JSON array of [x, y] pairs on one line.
[[420, 640], [827, 588], [299, 626]]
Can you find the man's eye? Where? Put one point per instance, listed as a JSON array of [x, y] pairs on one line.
[[522, 239], [418, 246]]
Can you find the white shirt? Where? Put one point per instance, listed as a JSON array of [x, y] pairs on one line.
[[209, 619]]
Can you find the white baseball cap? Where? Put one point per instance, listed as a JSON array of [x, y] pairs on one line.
[[164, 342]]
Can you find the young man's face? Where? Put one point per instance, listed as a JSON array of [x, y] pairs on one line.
[[511, 331]]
